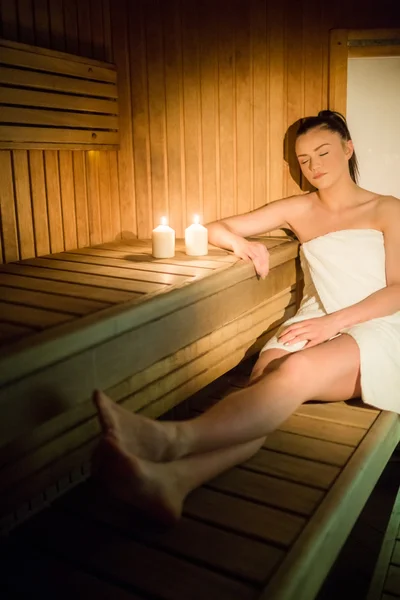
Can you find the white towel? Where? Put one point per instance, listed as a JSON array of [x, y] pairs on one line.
[[342, 268]]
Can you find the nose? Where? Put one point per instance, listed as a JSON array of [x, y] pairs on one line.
[[314, 164]]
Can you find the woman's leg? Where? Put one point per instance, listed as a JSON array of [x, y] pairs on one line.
[[159, 489], [329, 371]]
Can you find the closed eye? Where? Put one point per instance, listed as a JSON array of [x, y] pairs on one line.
[[303, 162]]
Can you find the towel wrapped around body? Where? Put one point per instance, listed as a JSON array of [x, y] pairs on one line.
[[340, 269]]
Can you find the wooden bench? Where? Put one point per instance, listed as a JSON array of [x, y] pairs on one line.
[[385, 583], [270, 528], [150, 332]]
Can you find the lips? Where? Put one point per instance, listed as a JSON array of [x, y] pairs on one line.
[[319, 175]]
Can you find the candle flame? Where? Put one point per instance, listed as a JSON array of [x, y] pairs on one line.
[[164, 221], [196, 219]]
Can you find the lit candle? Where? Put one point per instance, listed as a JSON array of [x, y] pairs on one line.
[[196, 239], [163, 240]]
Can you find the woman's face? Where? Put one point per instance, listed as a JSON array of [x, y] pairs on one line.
[[323, 157]]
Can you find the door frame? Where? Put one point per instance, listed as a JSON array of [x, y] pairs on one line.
[[355, 43]]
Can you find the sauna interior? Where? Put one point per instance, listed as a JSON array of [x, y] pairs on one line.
[[113, 115]]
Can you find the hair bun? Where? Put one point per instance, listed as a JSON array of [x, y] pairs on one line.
[[332, 114]]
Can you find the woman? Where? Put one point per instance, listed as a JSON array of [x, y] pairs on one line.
[[346, 328]]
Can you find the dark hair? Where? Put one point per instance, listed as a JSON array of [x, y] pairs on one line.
[[334, 121]]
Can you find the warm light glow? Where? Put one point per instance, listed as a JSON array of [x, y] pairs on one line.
[[164, 221], [196, 219]]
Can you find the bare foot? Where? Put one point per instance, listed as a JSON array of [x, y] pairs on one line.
[[148, 486], [138, 435]]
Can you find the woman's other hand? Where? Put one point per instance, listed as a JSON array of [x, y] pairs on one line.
[[255, 252]]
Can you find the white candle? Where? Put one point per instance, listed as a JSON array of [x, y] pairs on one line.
[[163, 240], [196, 239]]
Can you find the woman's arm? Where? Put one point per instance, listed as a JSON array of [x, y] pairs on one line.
[[231, 232]]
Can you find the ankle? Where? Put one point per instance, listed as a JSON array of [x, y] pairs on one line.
[[178, 445]]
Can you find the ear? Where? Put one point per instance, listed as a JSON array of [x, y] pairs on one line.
[[349, 149]]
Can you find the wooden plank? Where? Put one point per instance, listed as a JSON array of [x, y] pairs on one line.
[[379, 33], [305, 447], [92, 182], [116, 229], [271, 491], [260, 101], [140, 120], [373, 51], [247, 518], [392, 584], [32, 317], [44, 572], [73, 306], [64, 101], [41, 18], [351, 490], [9, 18], [338, 58], [108, 42], [41, 59], [74, 290], [249, 292], [39, 202], [339, 412], [292, 468], [42, 135], [7, 209], [105, 257], [31, 116], [389, 553], [324, 430], [68, 199], [25, 21], [129, 563], [71, 27], [174, 114], [120, 16], [225, 551], [105, 197], [227, 164], [54, 201], [62, 273], [96, 19], [81, 200], [177, 376], [157, 117], [84, 29], [46, 82], [23, 203], [243, 109], [142, 277]]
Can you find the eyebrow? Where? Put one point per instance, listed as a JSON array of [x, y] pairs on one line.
[[315, 149]]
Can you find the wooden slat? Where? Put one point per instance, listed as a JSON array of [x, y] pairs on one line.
[[389, 553], [336, 515], [33, 317], [102, 281], [338, 70], [68, 198], [23, 203], [52, 175], [30, 116], [65, 289], [214, 547], [39, 202], [247, 518], [306, 447], [339, 412], [81, 198], [55, 83], [392, 584], [60, 136], [100, 548], [51, 61], [281, 494], [323, 430], [373, 51], [63, 101], [292, 468], [125, 273], [7, 209], [54, 302], [102, 256], [106, 208]]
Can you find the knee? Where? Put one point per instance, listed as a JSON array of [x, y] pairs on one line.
[[295, 368]]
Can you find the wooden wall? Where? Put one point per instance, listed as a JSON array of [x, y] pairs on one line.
[[207, 90]]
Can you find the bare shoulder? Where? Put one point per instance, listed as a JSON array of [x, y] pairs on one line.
[[388, 210]]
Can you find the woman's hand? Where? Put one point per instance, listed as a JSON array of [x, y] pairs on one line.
[[315, 331], [255, 252]]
